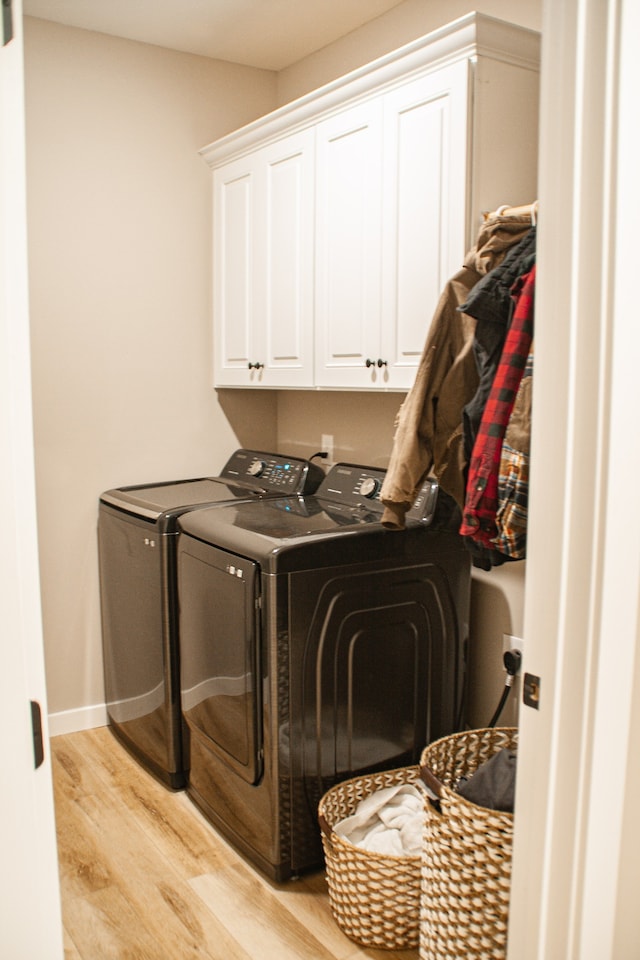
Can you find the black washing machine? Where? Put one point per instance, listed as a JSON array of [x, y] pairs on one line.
[[316, 645], [137, 534]]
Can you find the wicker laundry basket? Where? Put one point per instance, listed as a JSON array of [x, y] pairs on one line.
[[466, 854], [374, 898]]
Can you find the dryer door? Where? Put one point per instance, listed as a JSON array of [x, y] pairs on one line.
[[220, 690]]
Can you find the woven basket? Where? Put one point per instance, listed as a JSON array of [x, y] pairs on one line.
[[375, 899], [466, 854]]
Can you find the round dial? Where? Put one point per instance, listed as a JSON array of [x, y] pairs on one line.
[[256, 468], [369, 487]]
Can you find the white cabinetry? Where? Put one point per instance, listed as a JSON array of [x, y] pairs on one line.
[[263, 266], [390, 227], [340, 217], [348, 245]]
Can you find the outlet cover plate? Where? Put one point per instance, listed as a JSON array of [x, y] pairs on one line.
[[509, 642]]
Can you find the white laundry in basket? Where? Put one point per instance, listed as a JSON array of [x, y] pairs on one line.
[[388, 821]]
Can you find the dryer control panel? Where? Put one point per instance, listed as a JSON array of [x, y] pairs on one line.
[[273, 472], [357, 486]]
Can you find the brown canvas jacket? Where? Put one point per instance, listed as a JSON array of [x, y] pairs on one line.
[[428, 426]]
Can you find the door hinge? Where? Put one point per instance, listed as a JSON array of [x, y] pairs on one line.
[[38, 741]]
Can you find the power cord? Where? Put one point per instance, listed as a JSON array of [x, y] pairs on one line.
[[512, 660]]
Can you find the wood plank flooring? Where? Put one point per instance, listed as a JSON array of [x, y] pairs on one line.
[[145, 877]]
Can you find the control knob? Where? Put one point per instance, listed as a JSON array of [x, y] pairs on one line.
[[256, 468], [369, 487]]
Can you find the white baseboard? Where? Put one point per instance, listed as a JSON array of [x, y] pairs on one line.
[[83, 718]]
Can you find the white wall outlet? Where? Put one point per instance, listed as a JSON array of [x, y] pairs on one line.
[[510, 642], [326, 445]]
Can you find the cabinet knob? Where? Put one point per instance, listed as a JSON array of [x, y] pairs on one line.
[[255, 366], [370, 363], [382, 363]]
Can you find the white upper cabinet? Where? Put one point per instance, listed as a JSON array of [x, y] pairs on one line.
[[425, 162], [234, 242], [263, 266], [339, 218], [390, 226], [348, 245]]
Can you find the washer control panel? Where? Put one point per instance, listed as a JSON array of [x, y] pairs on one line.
[[357, 486], [273, 472]]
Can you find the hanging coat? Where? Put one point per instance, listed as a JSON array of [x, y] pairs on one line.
[[481, 504], [513, 476], [428, 434], [491, 302]]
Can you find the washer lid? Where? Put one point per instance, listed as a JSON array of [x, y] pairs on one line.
[[345, 507], [247, 474], [154, 501]]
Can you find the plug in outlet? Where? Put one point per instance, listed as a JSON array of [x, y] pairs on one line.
[[512, 643], [327, 447]]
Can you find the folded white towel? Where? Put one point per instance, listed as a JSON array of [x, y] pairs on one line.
[[388, 821]]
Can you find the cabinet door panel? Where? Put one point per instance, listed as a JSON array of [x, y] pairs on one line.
[[285, 291], [235, 187], [348, 237], [263, 278], [425, 186]]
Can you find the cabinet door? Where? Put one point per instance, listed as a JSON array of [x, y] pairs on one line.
[[424, 202], [284, 265], [391, 227], [263, 266], [236, 189], [348, 244]]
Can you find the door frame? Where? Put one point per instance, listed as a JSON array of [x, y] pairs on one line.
[[30, 919], [575, 868]]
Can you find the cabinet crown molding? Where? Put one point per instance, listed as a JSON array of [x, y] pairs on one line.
[[468, 37]]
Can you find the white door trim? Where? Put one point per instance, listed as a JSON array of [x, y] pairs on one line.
[[30, 923], [576, 839]]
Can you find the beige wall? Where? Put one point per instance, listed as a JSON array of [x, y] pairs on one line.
[[400, 25], [120, 247]]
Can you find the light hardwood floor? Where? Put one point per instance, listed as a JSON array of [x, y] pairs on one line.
[[145, 877]]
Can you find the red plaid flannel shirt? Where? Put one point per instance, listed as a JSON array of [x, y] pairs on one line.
[[481, 503]]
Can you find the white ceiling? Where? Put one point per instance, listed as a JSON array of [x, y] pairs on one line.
[[261, 33]]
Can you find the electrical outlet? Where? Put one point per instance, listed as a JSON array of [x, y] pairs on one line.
[[326, 445], [531, 691], [512, 643]]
